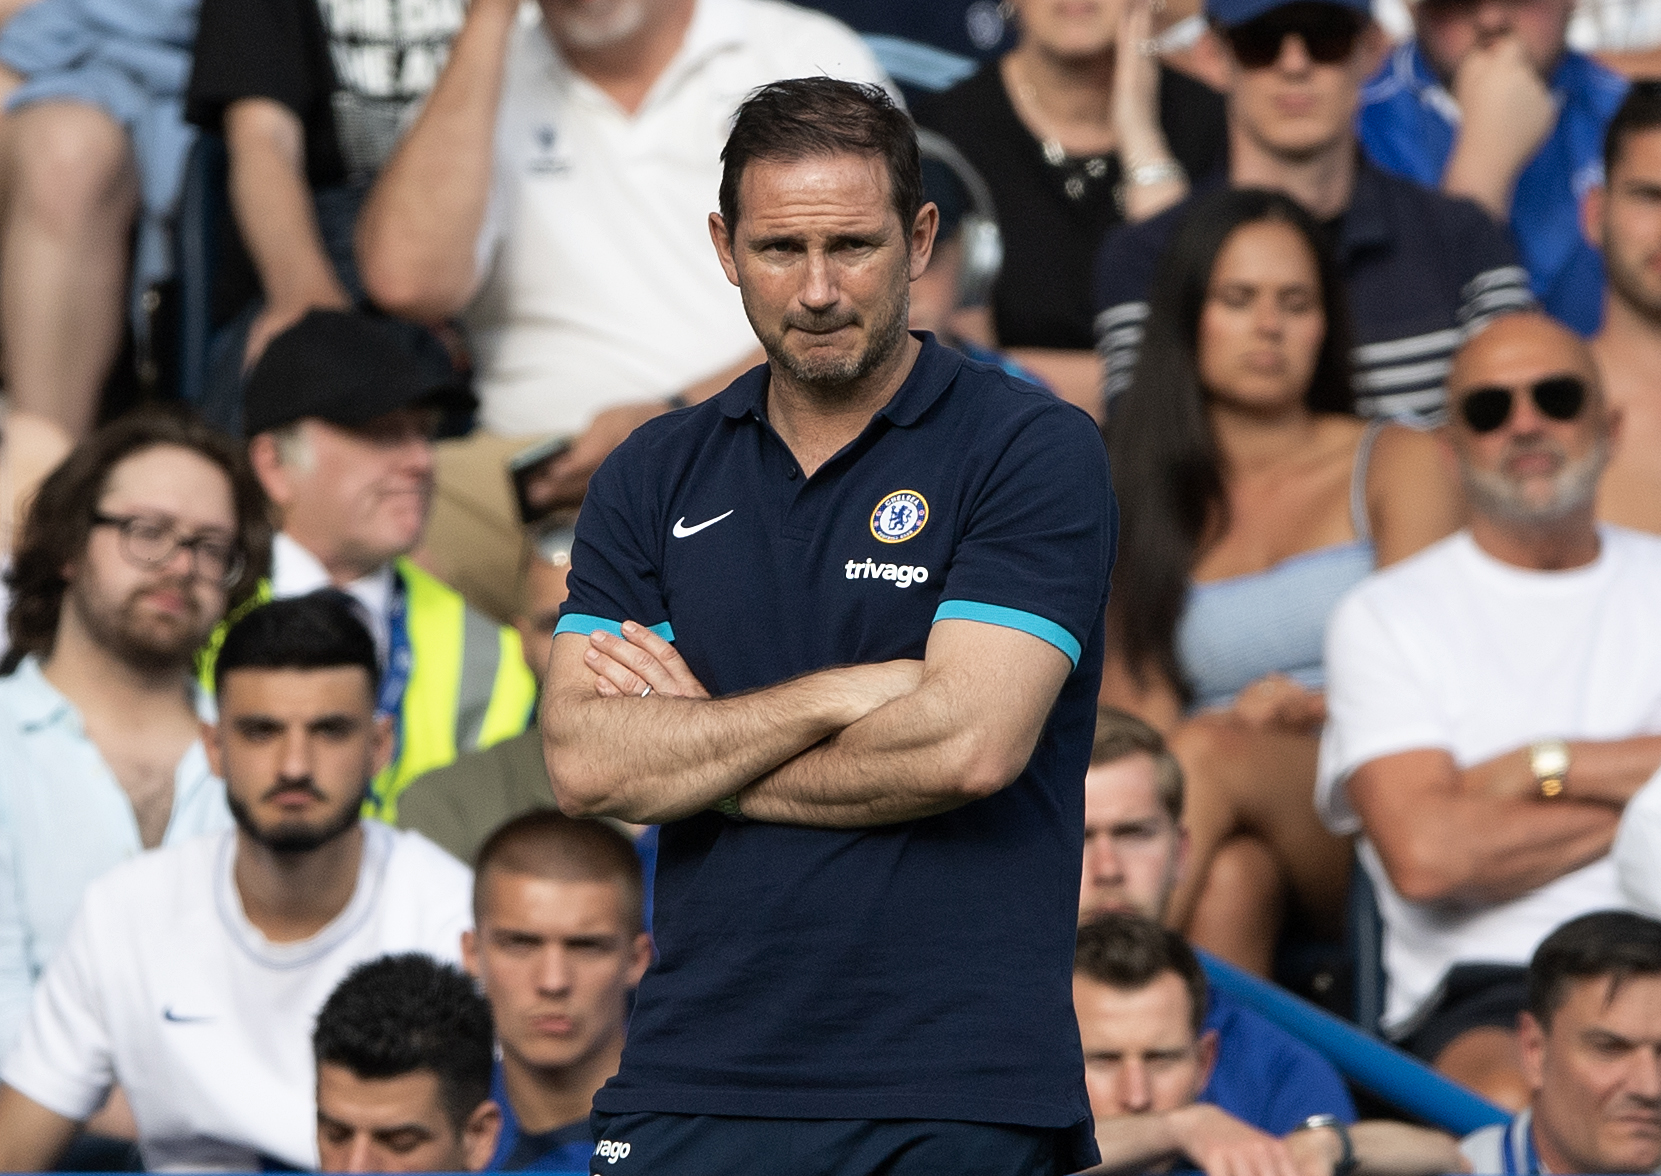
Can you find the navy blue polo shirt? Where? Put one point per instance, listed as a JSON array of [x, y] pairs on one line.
[[1420, 269], [916, 970]]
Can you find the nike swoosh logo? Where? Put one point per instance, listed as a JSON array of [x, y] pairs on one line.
[[680, 530], [168, 1014]]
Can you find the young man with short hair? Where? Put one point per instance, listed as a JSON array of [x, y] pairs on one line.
[[1419, 267], [1139, 993], [191, 975], [1622, 217], [1591, 1047], [1134, 846], [1488, 102], [403, 1051], [559, 946]]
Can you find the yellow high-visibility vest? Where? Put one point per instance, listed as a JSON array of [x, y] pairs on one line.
[[468, 686]]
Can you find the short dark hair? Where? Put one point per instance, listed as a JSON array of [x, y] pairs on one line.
[[401, 1014], [1120, 734], [54, 530], [1639, 112], [805, 118], [319, 631], [1614, 944], [1129, 952], [545, 843]]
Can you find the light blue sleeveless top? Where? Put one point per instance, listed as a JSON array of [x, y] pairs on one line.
[[1234, 631]]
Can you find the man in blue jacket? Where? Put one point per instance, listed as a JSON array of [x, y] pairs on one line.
[[1488, 102]]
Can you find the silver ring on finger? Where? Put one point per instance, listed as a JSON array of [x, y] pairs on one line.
[[645, 692]]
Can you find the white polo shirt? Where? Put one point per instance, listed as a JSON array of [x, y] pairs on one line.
[[601, 284], [164, 987], [1453, 649]]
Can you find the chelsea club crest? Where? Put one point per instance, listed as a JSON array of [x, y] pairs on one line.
[[899, 516]]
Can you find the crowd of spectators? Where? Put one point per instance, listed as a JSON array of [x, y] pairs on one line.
[[1364, 301]]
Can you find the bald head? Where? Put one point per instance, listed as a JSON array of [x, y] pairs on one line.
[[1529, 424], [1528, 345]]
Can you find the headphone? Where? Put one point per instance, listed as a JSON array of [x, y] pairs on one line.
[[983, 244]]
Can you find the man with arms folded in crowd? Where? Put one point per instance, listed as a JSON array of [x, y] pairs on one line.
[[1487, 102], [1134, 848], [403, 1051], [1418, 266], [559, 945], [551, 158], [1138, 990], [131, 553], [1590, 1042], [1494, 702], [341, 423], [871, 833], [1623, 218], [191, 975]]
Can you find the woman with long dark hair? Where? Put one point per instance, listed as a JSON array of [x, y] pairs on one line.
[[1252, 498]]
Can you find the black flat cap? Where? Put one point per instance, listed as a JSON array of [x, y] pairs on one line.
[[346, 368]]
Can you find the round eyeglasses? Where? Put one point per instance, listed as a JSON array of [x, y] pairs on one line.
[[151, 542]]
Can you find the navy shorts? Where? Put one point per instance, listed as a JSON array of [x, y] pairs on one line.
[[719, 1145]]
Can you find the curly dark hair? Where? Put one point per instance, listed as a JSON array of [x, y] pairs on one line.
[[54, 531], [400, 1014]]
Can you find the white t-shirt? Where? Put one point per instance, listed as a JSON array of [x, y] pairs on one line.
[[164, 987], [1637, 851], [1453, 649], [601, 284]]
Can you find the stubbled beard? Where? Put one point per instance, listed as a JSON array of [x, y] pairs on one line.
[[153, 650], [836, 377], [1574, 488], [293, 837], [1628, 286]]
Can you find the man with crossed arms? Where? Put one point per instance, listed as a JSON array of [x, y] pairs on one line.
[[869, 866]]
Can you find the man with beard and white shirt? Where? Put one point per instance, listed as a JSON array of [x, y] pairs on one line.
[[1494, 702], [192, 975], [554, 192], [132, 551]]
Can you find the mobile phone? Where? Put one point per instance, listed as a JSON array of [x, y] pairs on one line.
[[529, 464]]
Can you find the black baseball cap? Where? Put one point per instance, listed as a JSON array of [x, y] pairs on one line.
[[346, 368], [1232, 13]]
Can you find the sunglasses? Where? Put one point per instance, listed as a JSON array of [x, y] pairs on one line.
[[1328, 34], [1559, 397]]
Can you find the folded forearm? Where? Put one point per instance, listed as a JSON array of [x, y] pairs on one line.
[[1134, 1143], [1476, 851], [656, 759], [910, 759]]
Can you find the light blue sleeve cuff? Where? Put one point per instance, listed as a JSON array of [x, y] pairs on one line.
[[1010, 618], [585, 624]]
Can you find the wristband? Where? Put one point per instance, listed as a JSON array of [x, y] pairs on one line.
[[1346, 1159], [727, 806]]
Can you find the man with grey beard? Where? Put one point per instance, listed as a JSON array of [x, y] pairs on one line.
[[1494, 702]]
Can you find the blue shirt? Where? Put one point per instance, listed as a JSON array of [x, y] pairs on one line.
[[915, 970], [564, 1149], [1408, 123], [1419, 270], [1265, 1076], [64, 820]]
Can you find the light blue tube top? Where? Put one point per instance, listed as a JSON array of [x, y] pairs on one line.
[[1236, 630]]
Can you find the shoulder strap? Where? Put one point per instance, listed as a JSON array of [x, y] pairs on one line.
[[1358, 480]]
